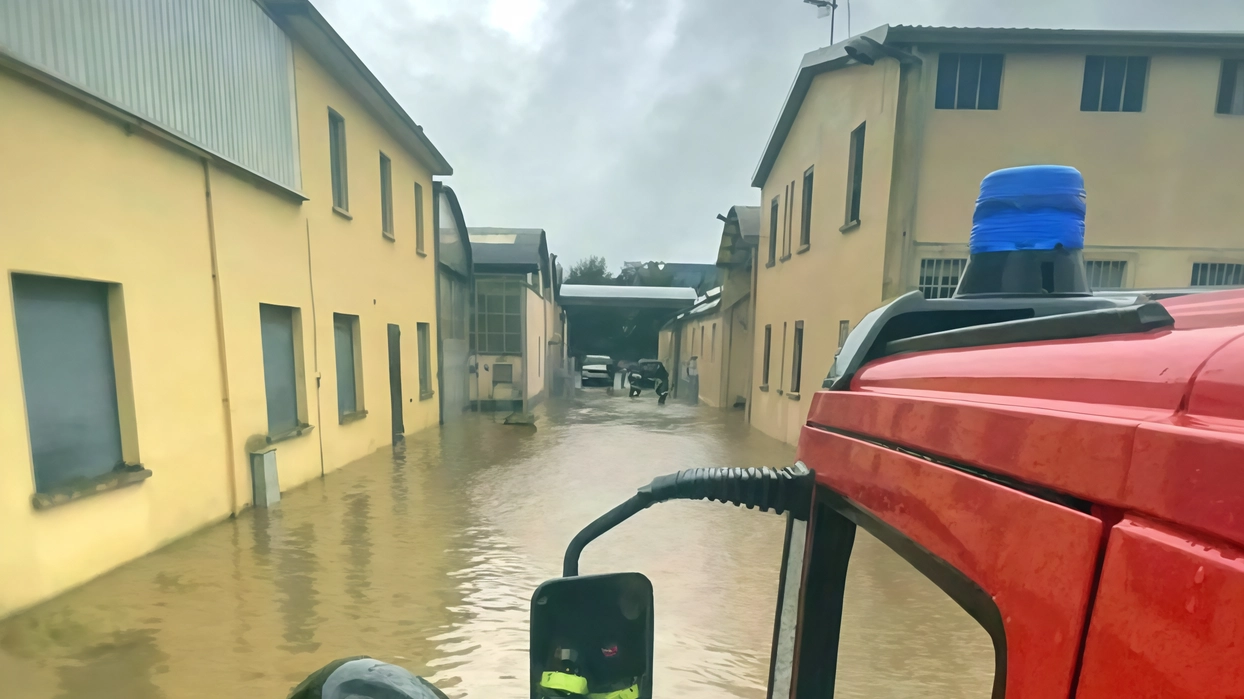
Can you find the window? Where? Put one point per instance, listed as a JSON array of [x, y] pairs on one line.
[[65, 342], [796, 358], [1106, 274], [969, 80], [497, 325], [425, 361], [419, 218], [1114, 83], [1231, 88], [280, 368], [790, 217], [773, 230], [805, 223], [701, 339], [878, 615], [713, 347], [349, 365], [502, 373], [940, 277], [337, 160], [764, 367], [855, 175], [782, 363], [1217, 274], [386, 196], [844, 330]]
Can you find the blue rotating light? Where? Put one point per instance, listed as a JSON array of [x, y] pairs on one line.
[[1036, 207]]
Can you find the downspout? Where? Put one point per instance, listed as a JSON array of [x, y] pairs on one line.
[[315, 351], [751, 318], [218, 307]]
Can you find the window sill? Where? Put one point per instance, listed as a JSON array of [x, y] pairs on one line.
[[764, 387], [847, 228], [770, 263], [779, 391], [355, 416], [792, 395], [424, 395], [784, 258], [296, 432], [120, 477], [421, 253], [388, 235], [803, 248], [342, 213]]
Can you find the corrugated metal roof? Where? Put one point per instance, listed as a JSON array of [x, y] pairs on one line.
[[518, 249]]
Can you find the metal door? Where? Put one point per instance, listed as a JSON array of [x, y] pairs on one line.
[[455, 347]]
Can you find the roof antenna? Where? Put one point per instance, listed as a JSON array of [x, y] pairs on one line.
[[828, 8]]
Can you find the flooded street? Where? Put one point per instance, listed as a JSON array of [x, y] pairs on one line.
[[427, 555]]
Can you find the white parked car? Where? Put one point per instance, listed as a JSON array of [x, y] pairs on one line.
[[596, 367]]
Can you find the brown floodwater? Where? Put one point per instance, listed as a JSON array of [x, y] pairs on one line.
[[426, 555]]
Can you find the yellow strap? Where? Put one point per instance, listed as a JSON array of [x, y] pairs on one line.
[[565, 682], [631, 692]]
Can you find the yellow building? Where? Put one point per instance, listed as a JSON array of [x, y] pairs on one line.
[[212, 248], [869, 179], [713, 339]]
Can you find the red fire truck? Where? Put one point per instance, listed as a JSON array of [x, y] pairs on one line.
[[1070, 471]]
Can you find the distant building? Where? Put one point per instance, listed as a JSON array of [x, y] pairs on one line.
[[870, 175], [213, 247], [517, 327], [716, 334], [700, 277], [455, 304]]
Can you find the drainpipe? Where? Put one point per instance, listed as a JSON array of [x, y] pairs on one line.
[[218, 306], [315, 350]]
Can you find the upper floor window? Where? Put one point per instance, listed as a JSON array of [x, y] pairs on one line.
[[1217, 274], [773, 231], [969, 80], [940, 277], [1231, 88], [805, 223], [337, 159], [418, 218], [386, 196], [855, 176], [1114, 83]]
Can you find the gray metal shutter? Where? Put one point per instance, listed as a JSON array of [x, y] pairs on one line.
[[343, 337], [65, 342], [279, 376]]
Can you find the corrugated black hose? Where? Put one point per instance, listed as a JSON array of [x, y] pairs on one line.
[[785, 490]]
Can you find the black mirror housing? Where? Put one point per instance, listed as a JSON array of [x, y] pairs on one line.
[[592, 635]]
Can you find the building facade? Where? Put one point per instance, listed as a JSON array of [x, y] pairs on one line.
[[869, 179], [202, 262], [516, 327]]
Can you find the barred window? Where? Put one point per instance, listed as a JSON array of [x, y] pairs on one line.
[[939, 277], [496, 327], [1217, 274], [1106, 274]]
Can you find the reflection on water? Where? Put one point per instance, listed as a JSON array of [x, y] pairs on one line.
[[426, 555]]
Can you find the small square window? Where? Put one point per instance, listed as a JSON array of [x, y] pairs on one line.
[[1106, 274], [1217, 274], [940, 277]]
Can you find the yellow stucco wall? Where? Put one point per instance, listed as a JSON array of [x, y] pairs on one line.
[[92, 202], [839, 277], [1161, 183], [535, 342], [82, 199]]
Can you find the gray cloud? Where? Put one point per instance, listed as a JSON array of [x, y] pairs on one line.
[[623, 127]]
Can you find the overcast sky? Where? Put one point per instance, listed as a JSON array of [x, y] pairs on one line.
[[623, 127]]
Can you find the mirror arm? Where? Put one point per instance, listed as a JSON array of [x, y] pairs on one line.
[[785, 490]]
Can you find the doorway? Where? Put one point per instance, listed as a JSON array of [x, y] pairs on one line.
[[395, 380]]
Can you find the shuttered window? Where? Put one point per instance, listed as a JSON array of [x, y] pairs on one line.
[[425, 361], [279, 369], [64, 339], [345, 341]]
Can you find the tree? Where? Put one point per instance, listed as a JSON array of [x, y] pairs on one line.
[[590, 270]]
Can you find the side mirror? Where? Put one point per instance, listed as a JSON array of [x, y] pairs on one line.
[[592, 635]]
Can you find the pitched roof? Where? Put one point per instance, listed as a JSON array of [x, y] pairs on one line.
[[509, 249], [886, 41], [302, 22]]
